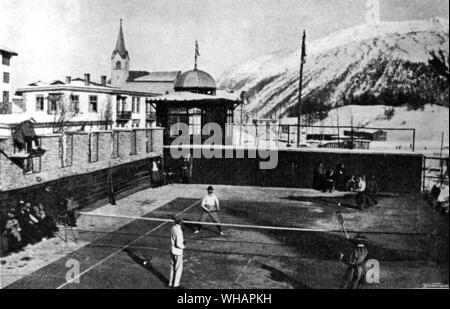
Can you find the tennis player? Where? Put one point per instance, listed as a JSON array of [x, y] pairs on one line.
[[177, 247], [210, 208]]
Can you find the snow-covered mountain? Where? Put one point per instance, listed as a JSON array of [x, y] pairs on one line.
[[353, 66]]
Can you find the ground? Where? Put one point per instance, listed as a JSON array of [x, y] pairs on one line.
[[409, 240]]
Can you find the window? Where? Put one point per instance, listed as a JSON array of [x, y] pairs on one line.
[[75, 103], [5, 96], [93, 103], [6, 77], [118, 65], [39, 103], [5, 60], [138, 105], [53, 102]]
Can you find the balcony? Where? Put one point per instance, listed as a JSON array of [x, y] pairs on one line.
[[123, 116]]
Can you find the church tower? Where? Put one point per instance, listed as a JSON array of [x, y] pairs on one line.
[[120, 61]]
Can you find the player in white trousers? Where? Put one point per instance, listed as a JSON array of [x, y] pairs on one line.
[[176, 252]]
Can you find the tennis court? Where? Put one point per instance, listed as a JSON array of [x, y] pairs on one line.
[[290, 243]]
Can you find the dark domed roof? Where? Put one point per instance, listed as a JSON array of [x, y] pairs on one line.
[[195, 79]]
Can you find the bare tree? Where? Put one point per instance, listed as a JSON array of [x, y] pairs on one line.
[[64, 112]]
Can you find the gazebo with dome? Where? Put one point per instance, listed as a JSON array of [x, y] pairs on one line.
[[195, 102]]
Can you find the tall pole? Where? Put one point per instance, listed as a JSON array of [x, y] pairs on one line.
[[302, 61]]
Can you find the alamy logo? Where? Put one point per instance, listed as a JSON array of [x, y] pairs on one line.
[[268, 155], [73, 274], [372, 271]]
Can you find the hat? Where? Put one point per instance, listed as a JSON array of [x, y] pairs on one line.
[[178, 220], [210, 188], [359, 239]]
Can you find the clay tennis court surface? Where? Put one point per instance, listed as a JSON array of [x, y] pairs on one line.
[[408, 239]]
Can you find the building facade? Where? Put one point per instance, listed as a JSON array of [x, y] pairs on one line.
[[80, 103]]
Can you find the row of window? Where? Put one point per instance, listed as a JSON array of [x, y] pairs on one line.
[[56, 100], [135, 105]]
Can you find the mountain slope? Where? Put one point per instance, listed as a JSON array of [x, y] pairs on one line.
[[368, 64]]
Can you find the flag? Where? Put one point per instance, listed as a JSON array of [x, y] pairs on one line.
[[197, 53], [304, 47]]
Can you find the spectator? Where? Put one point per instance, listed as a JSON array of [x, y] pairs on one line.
[[12, 232], [340, 178], [29, 231], [44, 230], [38, 232], [48, 221], [351, 184], [372, 191], [69, 214], [157, 178], [330, 177], [361, 196], [319, 180]]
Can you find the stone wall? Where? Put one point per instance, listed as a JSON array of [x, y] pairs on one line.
[[77, 153]]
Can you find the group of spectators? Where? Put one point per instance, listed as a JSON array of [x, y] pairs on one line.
[[26, 224], [438, 196], [179, 171], [328, 179]]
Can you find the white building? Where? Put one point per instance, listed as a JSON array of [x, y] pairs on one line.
[[81, 103], [5, 79]]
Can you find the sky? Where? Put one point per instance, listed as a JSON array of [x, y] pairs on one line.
[[56, 38]]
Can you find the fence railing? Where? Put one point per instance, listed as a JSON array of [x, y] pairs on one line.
[[286, 135], [434, 171]]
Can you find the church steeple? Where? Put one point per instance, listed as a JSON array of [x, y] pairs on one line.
[[120, 61], [120, 45]]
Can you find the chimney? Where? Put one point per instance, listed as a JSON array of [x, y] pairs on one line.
[[68, 79], [103, 80], [87, 78]]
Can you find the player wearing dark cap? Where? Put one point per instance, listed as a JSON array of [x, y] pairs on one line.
[[210, 208], [356, 262]]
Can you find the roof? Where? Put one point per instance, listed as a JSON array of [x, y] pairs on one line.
[[120, 45], [132, 75], [161, 76], [184, 96], [79, 82], [7, 50], [195, 79]]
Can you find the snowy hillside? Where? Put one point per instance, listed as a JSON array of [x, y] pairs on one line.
[[385, 60]]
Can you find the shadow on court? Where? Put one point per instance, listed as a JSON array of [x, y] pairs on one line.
[[146, 264], [279, 276]]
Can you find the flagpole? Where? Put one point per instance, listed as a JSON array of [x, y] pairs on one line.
[[195, 53], [302, 60]]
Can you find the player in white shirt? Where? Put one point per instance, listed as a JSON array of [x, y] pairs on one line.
[[176, 252], [210, 208]]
